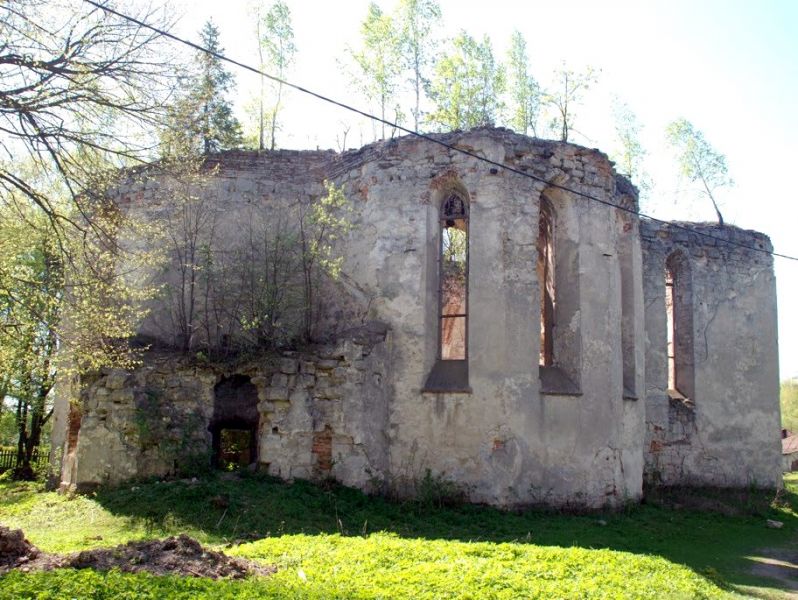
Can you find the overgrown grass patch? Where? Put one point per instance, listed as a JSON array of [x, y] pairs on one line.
[[387, 566], [337, 542]]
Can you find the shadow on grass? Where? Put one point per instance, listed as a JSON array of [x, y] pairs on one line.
[[14, 493], [232, 508]]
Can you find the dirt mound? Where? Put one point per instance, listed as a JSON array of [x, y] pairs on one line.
[[180, 555], [15, 550]]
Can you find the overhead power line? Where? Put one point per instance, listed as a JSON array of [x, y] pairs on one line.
[[427, 137]]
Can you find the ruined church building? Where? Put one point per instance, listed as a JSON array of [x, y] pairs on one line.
[[529, 344]]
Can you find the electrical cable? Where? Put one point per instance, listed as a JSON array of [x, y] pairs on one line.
[[428, 137]]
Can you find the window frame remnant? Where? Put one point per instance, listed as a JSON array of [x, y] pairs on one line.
[[559, 361], [670, 327], [453, 209], [449, 373]]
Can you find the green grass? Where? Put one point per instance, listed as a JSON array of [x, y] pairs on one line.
[[789, 405], [340, 543]]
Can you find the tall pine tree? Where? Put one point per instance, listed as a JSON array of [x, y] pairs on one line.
[[202, 119]]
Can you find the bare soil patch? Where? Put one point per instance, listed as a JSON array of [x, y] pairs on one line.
[[179, 555]]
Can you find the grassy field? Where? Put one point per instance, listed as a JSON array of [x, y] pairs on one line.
[[338, 543]]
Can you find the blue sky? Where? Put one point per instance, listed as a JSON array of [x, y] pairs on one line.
[[729, 66]]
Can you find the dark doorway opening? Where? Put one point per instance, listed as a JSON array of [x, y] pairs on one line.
[[234, 446], [234, 426]]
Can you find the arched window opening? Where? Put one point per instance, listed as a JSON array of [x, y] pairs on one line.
[[559, 300], [449, 373], [545, 272], [453, 279], [679, 327]]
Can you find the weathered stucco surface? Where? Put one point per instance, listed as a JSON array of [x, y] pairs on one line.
[[577, 433], [728, 434]]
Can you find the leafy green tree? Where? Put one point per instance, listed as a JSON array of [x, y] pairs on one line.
[[467, 85], [321, 224], [699, 161], [202, 118], [565, 96], [276, 52], [417, 19], [629, 153], [524, 91], [63, 309], [377, 62], [31, 287], [82, 93]]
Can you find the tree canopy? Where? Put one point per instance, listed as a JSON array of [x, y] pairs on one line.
[[698, 161], [276, 53], [377, 63], [202, 119], [467, 85], [522, 87], [565, 95]]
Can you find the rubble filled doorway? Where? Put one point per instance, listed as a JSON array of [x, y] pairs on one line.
[[234, 425]]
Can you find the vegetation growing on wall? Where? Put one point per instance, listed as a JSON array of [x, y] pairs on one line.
[[260, 291]]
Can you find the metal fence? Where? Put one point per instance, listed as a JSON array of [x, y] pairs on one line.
[[8, 459]]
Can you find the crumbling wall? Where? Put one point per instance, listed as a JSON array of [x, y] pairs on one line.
[[727, 433], [504, 438], [325, 415], [229, 231], [322, 413], [510, 432]]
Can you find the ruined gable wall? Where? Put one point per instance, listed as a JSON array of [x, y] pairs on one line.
[[728, 434], [504, 443]]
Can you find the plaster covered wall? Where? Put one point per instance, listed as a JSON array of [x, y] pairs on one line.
[[505, 442], [728, 433]]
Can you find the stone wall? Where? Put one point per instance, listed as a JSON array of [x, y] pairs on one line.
[[322, 413], [578, 432], [505, 441], [727, 433]]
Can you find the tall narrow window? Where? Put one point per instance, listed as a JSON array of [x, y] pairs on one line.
[[453, 278], [671, 349], [545, 271], [449, 374], [679, 320]]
